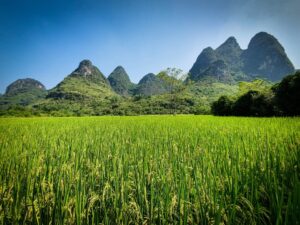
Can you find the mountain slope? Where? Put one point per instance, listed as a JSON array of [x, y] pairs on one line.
[[23, 92], [204, 60], [221, 65], [265, 57], [230, 52], [120, 81], [85, 82], [150, 84]]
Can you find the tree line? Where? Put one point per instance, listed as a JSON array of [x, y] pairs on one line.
[[282, 99]]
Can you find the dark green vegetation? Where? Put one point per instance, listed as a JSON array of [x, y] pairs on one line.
[[261, 99], [149, 170], [120, 82], [223, 71], [287, 95]]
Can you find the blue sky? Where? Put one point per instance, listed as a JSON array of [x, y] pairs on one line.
[[46, 40]]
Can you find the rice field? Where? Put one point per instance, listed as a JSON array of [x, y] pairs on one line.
[[150, 170]]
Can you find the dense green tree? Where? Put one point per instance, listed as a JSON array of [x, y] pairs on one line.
[[222, 107], [243, 104], [253, 103], [287, 95]]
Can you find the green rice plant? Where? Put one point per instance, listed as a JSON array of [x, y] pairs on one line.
[[149, 170]]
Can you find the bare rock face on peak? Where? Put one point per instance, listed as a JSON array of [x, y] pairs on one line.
[[120, 81], [85, 82], [90, 72], [85, 68], [264, 58]]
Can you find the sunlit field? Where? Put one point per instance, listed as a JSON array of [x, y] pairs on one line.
[[150, 170]]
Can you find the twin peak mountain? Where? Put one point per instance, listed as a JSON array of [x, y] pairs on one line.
[[264, 58]]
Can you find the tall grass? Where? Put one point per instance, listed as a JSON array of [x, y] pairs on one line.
[[150, 170]]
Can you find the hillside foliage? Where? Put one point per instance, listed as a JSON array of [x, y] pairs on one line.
[[259, 98]]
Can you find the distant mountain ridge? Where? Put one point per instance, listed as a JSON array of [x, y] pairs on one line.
[[265, 57], [215, 72]]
